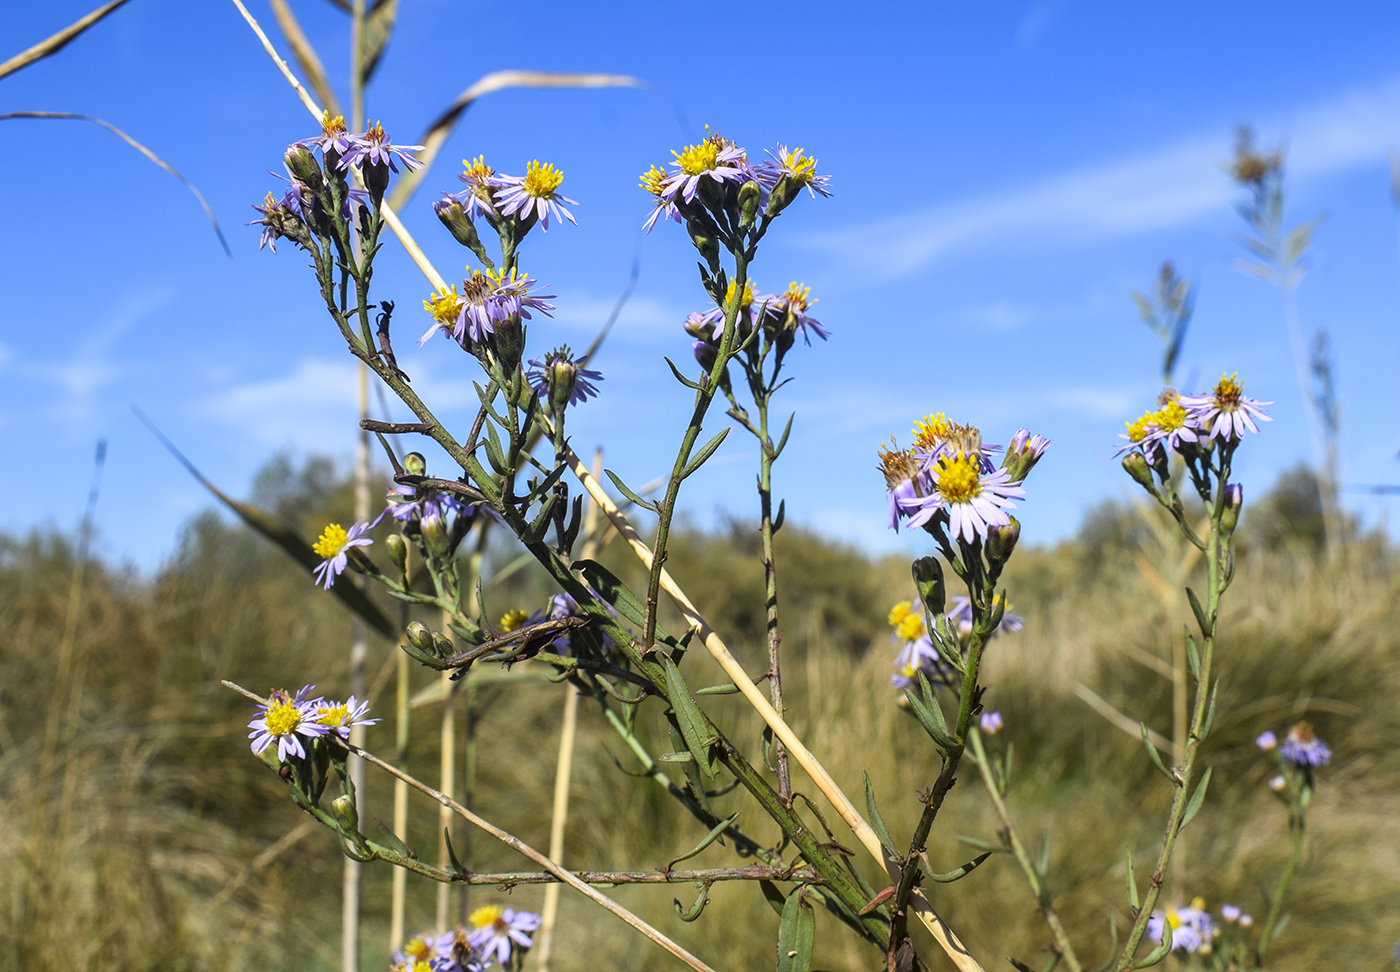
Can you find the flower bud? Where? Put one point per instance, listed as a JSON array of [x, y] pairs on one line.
[[509, 341], [433, 529], [376, 176], [1023, 453], [303, 165], [346, 814], [749, 194], [705, 353], [704, 242], [560, 377], [443, 645], [419, 636], [414, 464], [1136, 466], [458, 223], [782, 195], [928, 575], [398, 551], [1234, 500], [1001, 541]]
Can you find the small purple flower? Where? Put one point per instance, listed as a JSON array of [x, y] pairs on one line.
[[653, 181], [959, 617], [333, 137], [498, 930], [284, 718], [1191, 927], [1023, 452], [798, 168], [334, 545], [716, 158], [417, 503], [456, 952], [487, 299], [973, 500], [560, 371], [476, 199], [278, 215], [1302, 747], [420, 948], [910, 487], [991, 723], [535, 194], [339, 717], [1230, 913], [373, 147], [789, 309], [1226, 411], [1267, 741]]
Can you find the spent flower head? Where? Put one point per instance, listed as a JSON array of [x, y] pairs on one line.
[[1303, 747]]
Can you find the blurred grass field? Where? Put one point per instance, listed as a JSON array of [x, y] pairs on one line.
[[150, 839]]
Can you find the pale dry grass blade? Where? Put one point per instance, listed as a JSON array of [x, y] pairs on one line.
[[306, 98], [305, 54], [56, 43], [439, 131], [1132, 728], [69, 116], [374, 37]]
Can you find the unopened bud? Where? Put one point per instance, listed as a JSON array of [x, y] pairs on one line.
[[414, 464], [443, 645], [749, 194], [1136, 466], [346, 814], [1001, 541], [376, 176], [303, 165], [458, 223], [928, 575], [398, 550], [704, 242], [419, 636], [1023, 452], [1234, 500], [509, 341], [705, 353]]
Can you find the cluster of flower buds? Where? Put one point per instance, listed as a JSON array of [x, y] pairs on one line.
[[948, 479], [1192, 426], [494, 938], [318, 200]]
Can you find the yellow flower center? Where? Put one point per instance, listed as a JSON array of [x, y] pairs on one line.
[[899, 612], [898, 465], [652, 179], [909, 670], [375, 133], [800, 168], [542, 180], [1228, 392], [1198, 903], [512, 620], [695, 159], [333, 715], [911, 628], [487, 917], [332, 126], [444, 306], [1137, 431], [282, 717], [332, 542], [931, 430], [958, 480], [1173, 918], [477, 170], [1170, 416], [799, 298], [748, 294]]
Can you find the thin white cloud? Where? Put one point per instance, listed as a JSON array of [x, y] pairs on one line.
[[1173, 186]]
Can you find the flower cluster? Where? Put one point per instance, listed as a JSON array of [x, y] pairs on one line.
[[494, 935], [488, 300], [533, 197], [1192, 928], [948, 477], [1183, 423], [289, 719], [917, 652]]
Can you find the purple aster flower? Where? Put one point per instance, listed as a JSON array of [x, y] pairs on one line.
[[653, 181], [420, 948], [1191, 927], [1278, 784], [487, 299], [1302, 747], [1171, 425], [372, 147], [1226, 411], [1230, 913], [991, 723], [534, 194], [339, 717], [476, 199], [1022, 453], [456, 952], [498, 930], [284, 718], [910, 486], [798, 168], [417, 503], [334, 545], [716, 158], [1266, 740], [280, 218], [972, 499], [959, 617], [789, 309], [559, 372], [333, 137]]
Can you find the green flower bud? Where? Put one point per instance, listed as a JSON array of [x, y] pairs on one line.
[[748, 203], [419, 636], [458, 223], [414, 464], [398, 551], [1234, 501], [1136, 466], [443, 645], [376, 176], [928, 575], [346, 814], [1001, 541], [302, 164], [704, 242]]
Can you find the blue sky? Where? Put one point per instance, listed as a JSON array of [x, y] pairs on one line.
[[1004, 178]]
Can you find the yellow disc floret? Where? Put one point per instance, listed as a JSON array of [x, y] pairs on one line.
[[932, 430], [748, 294], [1169, 417], [332, 125], [283, 716], [798, 297], [911, 628], [333, 541], [1228, 391], [333, 715], [958, 480], [487, 917], [799, 167], [512, 620], [541, 180], [444, 306], [1137, 430], [899, 612], [652, 179], [695, 159], [476, 169]]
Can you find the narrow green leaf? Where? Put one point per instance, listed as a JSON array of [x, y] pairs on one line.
[[283, 536], [795, 934], [680, 377], [694, 911], [716, 834], [1018, 965], [494, 454], [782, 516], [1161, 951], [1132, 885], [1280, 926], [978, 844], [699, 736], [1153, 755], [775, 898], [707, 450], [782, 439], [1051, 964], [1043, 864], [877, 822], [539, 526], [948, 877], [616, 593], [692, 772], [1193, 806], [1209, 720], [727, 689], [1198, 611], [394, 843], [626, 491], [451, 852], [1193, 657]]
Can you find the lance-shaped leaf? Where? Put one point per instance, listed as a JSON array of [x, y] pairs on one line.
[[306, 55], [958, 873], [695, 910], [1132, 884], [374, 36], [627, 491], [1193, 806], [795, 934], [699, 736], [1161, 951], [716, 834], [58, 41], [877, 820], [285, 537], [1152, 753], [69, 116], [438, 132], [707, 450]]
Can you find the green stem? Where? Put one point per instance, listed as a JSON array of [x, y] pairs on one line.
[[1039, 888], [1276, 905], [770, 589]]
